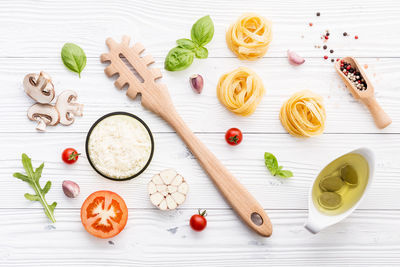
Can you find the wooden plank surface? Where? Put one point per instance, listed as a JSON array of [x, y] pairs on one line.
[[31, 36]]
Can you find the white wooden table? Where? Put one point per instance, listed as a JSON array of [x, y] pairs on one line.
[[31, 36]]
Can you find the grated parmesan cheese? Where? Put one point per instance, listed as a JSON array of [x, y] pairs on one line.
[[119, 146]]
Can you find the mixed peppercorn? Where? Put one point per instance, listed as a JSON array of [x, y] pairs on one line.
[[353, 75]]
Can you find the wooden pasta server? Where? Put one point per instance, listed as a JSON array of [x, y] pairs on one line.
[[362, 89], [155, 97]]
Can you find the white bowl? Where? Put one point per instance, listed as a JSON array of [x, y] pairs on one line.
[[317, 220]]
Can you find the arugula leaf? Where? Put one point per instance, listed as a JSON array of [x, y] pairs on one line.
[[32, 178], [272, 164], [73, 57]]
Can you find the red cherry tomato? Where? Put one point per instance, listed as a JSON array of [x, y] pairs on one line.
[[198, 221], [70, 156], [233, 136]]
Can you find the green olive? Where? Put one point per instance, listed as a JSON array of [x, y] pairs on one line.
[[330, 200], [349, 175], [331, 183]]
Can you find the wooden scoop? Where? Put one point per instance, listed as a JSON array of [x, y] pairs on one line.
[[367, 97], [155, 97]]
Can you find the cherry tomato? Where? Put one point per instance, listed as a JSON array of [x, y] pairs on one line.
[[198, 221], [70, 156], [104, 214], [233, 136]]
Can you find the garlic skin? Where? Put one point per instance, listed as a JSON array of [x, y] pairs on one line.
[[196, 82], [167, 190], [294, 58], [70, 188]]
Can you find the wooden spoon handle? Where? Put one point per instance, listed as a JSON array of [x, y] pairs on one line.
[[381, 118], [245, 205]]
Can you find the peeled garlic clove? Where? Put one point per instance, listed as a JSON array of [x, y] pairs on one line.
[[294, 58], [167, 190]]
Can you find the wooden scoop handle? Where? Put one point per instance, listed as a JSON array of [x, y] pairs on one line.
[[381, 118], [245, 205]]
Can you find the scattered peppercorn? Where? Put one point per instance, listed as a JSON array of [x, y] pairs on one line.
[[326, 37], [327, 34], [356, 37], [325, 47], [337, 59], [345, 34], [318, 14], [325, 57], [332, 60], [331, 51], [310, 24]]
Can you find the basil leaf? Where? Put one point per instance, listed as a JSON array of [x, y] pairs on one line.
[[272, 164], [187, 44], [284, 174], [178, 59], [201, 52], [73, 57], [202, 31]]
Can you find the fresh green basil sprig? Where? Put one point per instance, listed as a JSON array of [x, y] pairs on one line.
[[272, 164], [181, 57], [73, 57]]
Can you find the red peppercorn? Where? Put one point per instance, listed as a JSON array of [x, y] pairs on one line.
[[326, 37], [338, 60], [325, 57], [356, 37], [310, 24], [348, 67]]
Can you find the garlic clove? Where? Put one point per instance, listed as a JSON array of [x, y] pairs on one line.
[[183, 188], [163, 205], [70, 188], [172, 189], [156, 198], [171, 203], [177, 180], [178, 197], [157, 179], [294, 58], [196, 82], [168, 175], [152, 188]]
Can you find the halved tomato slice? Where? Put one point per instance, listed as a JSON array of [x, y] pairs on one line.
[[104, 214]]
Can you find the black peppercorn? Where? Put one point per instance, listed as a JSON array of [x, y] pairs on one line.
[[345, 34], [331, 51], [327, 34], [318, 14], [325, 47]]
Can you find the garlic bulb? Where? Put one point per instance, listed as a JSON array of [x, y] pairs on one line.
[[167, 190]]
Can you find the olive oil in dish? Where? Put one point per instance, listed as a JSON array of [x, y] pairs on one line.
[[341, 184]]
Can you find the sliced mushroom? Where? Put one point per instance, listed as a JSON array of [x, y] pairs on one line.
[[67, 107], [44, 114], [39, 87]]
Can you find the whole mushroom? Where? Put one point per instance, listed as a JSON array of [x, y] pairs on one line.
[[67, 107], [44, 114], [39, 87]]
